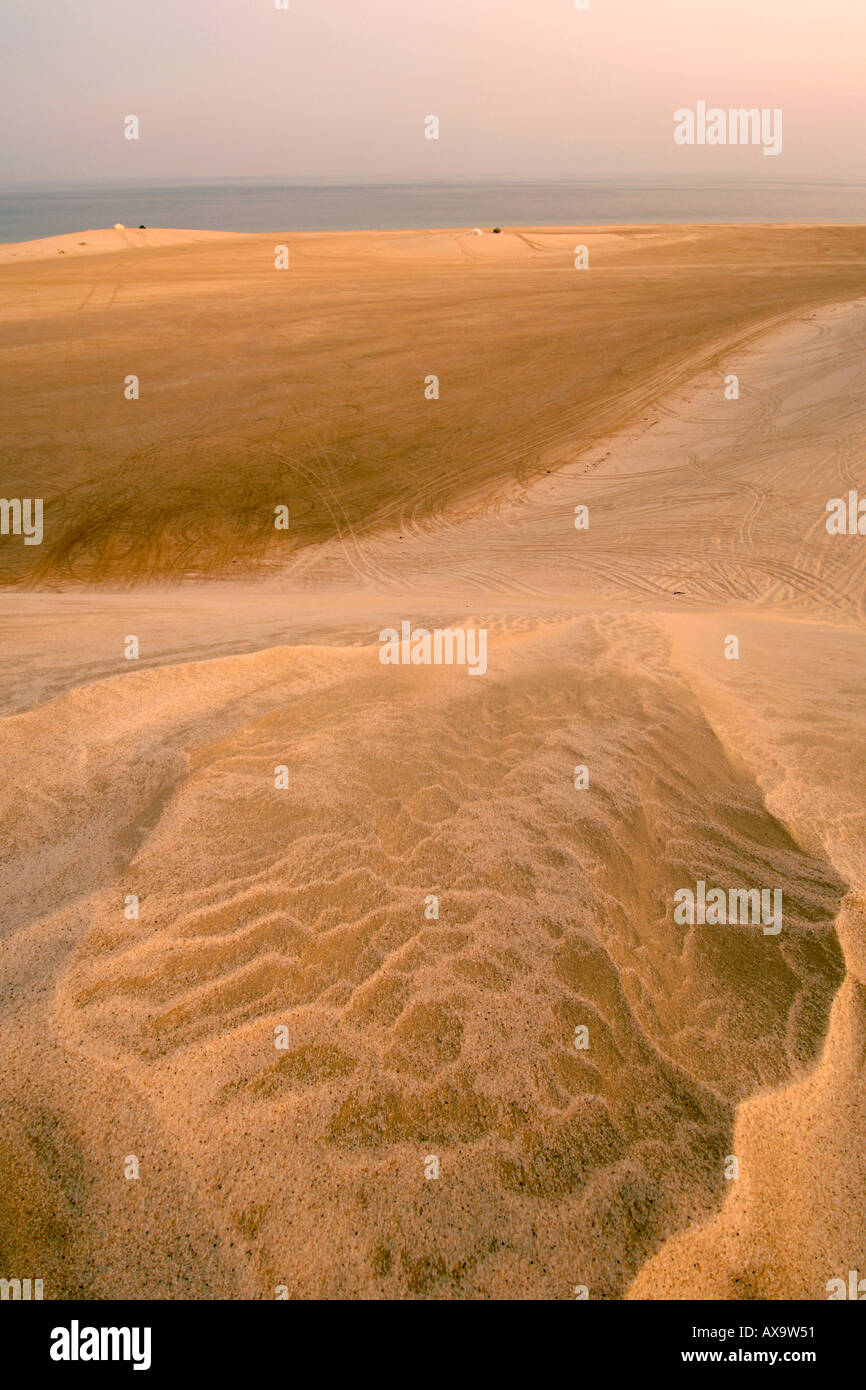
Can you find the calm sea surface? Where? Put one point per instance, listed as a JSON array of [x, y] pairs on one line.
[[37, 210]]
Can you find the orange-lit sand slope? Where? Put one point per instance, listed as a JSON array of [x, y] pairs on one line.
[[411, 1037], [305, 387]]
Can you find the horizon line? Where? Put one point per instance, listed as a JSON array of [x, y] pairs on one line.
[[381, 181]]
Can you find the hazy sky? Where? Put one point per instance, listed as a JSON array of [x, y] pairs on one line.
[[335, 88]]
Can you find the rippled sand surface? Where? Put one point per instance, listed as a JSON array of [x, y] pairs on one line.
[[412, 1037]]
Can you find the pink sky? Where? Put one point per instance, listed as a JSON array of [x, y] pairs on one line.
[[336, 88]]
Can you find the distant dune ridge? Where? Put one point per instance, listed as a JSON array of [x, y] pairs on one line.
[[451, 1035]]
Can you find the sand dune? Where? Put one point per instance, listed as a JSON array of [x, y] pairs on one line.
[[411, 1037], [305, 387]]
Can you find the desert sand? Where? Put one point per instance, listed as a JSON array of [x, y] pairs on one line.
[[305, 387], [306, 1169]]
